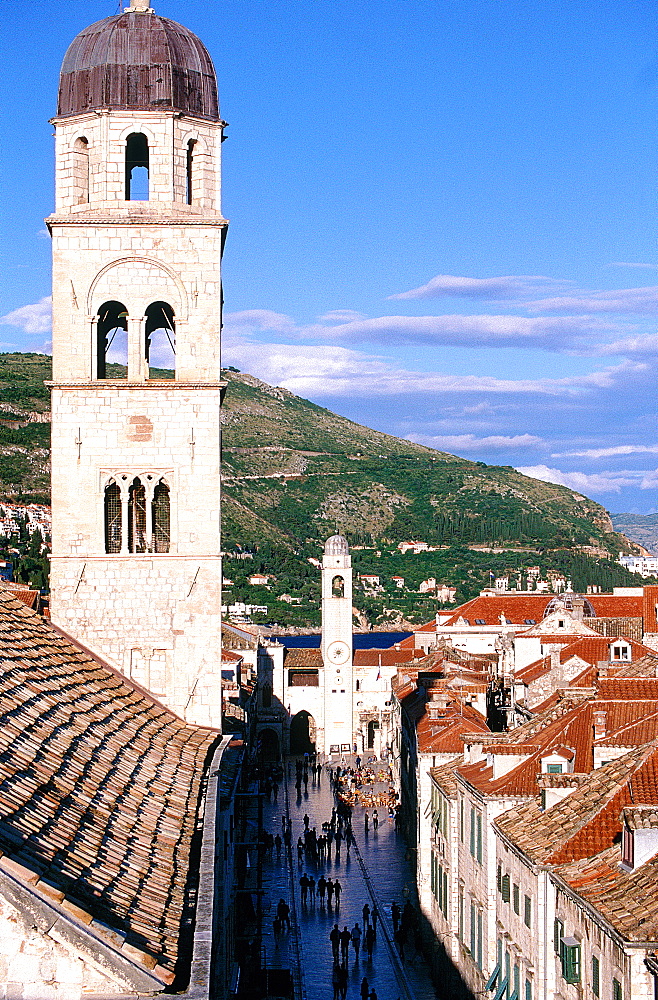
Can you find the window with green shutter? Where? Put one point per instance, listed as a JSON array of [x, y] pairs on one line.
[[571, 960], [499, 875], [596, 976], [558, 931], [478, 844], [527, 911], [504, 888], [471, 844], [617, 993], [528, 989], [516, 898]]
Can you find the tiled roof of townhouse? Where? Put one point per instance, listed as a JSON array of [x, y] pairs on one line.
[[444, 735], [444, 775], [587, 821], [591, 649], [573, 729], [627, 900], [522, 609], [100, 788]]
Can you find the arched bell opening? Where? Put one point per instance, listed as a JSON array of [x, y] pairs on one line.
[[302, 733], [137, 167], [112, 340], [137, 517], [161, 518], [160, 339], [338, 587], [81, 170], [190, 172]]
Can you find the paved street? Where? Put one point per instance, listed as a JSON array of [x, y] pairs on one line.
[[377, 873]]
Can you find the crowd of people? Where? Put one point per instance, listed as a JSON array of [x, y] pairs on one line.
[[316, 848]]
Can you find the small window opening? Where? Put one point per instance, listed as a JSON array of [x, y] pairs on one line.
[[112, 341], [160, 339], [189, 176], [267, 696], [112, 518], [81, 171], [161, 517], [137, 517], [137, 167], [338, 587]]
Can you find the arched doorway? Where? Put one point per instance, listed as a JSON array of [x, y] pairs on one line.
[[372, 726], [302, 733], [268, 745]]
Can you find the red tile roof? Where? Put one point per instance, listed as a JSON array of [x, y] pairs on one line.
[[519, 608], [591, 649]]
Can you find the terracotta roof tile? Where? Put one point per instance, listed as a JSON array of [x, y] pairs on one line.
[[99, 786]]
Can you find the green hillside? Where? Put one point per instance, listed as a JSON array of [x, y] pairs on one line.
[[295, 473], [642, 528]]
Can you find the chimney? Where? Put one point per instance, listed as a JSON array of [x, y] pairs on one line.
[[600, 727]]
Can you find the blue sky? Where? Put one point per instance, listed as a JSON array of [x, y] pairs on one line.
[[443, 216]]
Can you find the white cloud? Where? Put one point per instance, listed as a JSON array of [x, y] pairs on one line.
[[507, 287], [619, 449], [621, 263], [258, 319], [341, 316], [331, 370], [625, 300], [33, 318], [644, 344], [605, 482], [469, 442]]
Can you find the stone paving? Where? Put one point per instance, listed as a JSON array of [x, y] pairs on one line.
[[378, 872]]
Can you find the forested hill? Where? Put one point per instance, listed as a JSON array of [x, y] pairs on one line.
[[295, 471]]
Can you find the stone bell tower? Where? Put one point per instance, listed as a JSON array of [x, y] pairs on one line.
[[336, 644], [137, 238]]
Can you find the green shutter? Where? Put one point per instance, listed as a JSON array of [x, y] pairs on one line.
[[504, 888], [515, 898], [595, 976], [617, 993], [527, 911]]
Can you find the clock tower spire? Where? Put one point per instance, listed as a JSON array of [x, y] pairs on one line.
[[336, 645]]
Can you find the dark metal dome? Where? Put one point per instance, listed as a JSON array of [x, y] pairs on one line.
[[138, 60]]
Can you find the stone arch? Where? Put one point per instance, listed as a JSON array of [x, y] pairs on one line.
[[338, 586], [302, 733], [140, 281]]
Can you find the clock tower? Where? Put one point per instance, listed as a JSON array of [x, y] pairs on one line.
[[336, 645]]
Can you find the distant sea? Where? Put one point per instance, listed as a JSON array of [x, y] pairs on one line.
[[362, 640]]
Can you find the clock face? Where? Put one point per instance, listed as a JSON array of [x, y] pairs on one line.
[[338, 652]]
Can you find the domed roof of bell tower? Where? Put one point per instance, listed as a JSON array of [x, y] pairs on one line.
[[336, 546], [138, 60]]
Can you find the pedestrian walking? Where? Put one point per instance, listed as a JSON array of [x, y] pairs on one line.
[[375, 819], [278, 842], [356, 940], [366, 821], [337, 891], [300, 850], [342, 975], [374, 916], [283, 913], [373, 994], [395, 916], [335, 980], [400, 937], [345, 938], [322, 888], [275, 789], [311, 888], [365, 913], [330, 892], [334, 937], [303, 882], [365, 989], [370, 941], [306, 821]]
